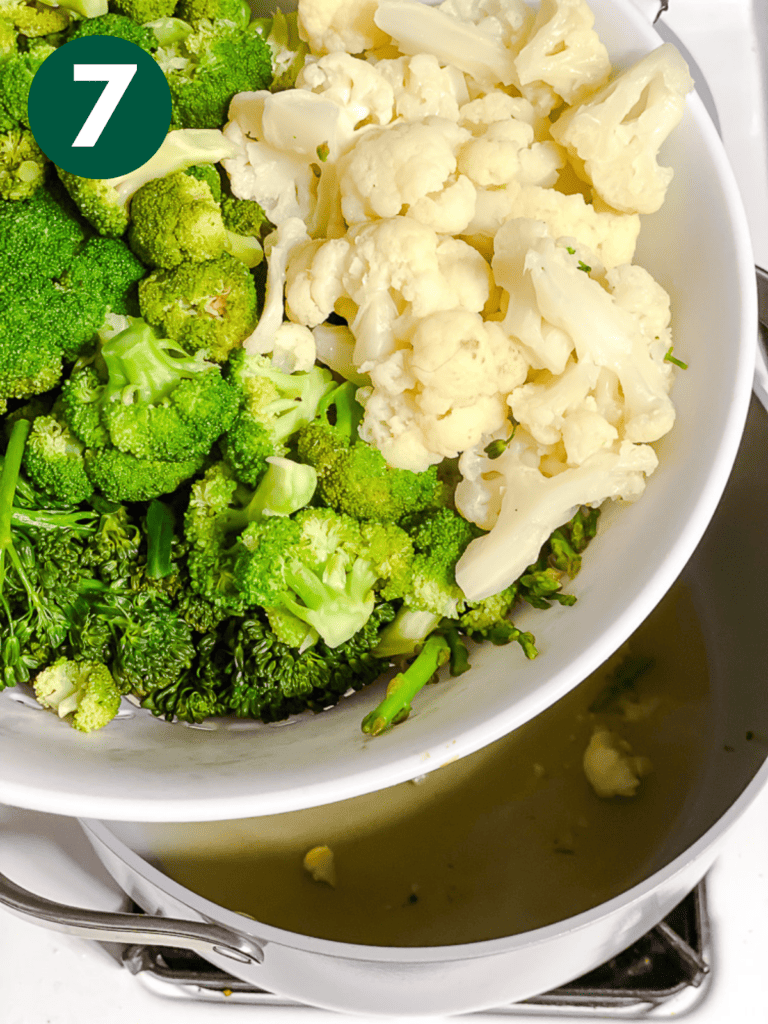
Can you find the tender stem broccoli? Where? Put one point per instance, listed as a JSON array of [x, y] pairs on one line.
[[353, 477], [83, 689], [407, 631], [208, 307], [160, 525], [104, 202], [403, 687], [22, 164], [206, 68]]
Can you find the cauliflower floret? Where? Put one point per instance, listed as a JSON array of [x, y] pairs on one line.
[[635, 290], [448, 212], [390, 168], [278, 247], [416, 28], [544, 346], [335, 345], [495, 106], [585, 432], [422, 88], [533, 505], [293, 348], [605, 334], [610, 766], [313, 284], [542, 405], [329, 25], [564, 51], [506, 152], [614, 139], [353, 84], [611, 236]]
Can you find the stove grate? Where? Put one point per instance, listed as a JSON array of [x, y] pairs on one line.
[[670, 959]]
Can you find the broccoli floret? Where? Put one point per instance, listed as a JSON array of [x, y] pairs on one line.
[[289, 52], [123, 477], [246, 446], [119, 27], [175, 219], [208, 307], [104, 202], [439, 539], [53, 458], [8, 38], [143, 11], [156, 403], [238, 12], [270, 680], [16, 74], [83, 689], [209, 173], [80, 402], [282, 402], [353, 476], [206, 69], [155, 649], [244, 222], [22, 164], [32, 19], [316, 565]]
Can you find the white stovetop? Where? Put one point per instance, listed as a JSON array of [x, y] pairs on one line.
[[49, 978]]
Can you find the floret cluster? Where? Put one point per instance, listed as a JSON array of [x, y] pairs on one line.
[[197, 510]]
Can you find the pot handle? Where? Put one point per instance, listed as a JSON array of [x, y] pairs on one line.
[[128, 928]]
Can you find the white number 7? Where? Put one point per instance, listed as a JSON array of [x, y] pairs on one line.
[[117, 77]]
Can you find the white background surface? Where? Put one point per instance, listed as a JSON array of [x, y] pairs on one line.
[[48, 978]]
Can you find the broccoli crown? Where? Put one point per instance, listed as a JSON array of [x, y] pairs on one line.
[[9, 43], [269, 680], [22, 164], [56, 289], [155, 649], [142, 11], [156, 404], [174, 219], [208, 173], [83, 689], [118, 26], [208, 307], [483, 618], [319, 566], [210, 65], [238, 12], [16, 74], [98, 201], [246, 446], [439, 539], [243, 216], [353, 477], [283, 402], [123, 477], [53, 458]]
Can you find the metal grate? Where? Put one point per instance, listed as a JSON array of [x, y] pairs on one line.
[[669, 960]]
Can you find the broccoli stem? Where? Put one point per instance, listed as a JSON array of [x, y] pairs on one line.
[[403, 687], [8, 480], [160, 527], [349, 412]]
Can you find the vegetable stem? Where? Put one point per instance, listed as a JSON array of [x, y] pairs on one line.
[[403, 687]]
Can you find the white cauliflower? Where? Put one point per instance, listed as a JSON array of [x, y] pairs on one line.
[[506, 152], [606, 334], [391, 168], [416, 28], [542, 405], [422, 88], [278, 247], [495, 106], [293, 348], [335, 345], [354, 85], [329, 25], [611, 236], [614, 139], [610, 767], [564, 51], [533, 505], [313, 284]]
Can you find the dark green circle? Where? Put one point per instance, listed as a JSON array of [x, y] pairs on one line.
[[58, 107]]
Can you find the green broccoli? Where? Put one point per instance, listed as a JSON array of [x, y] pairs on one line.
[[83, 689], [22, 164], [208, 307], [123, 477], [33, 19], [282, 402], [237, 12], [142, 11], [9, 40], [175, 219], [16, 74], [104, 202], [439, 539], [353, 476], [118, 26], [53, 459], [318, 566], [155, 648], [403, 687], [156, 403], [289, 52], [206, 69], [209, 173], [244, 223], [246, 446]]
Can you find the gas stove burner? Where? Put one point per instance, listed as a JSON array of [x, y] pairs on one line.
[[669, 961]]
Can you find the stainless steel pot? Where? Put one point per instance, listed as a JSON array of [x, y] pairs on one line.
[[725, 578]]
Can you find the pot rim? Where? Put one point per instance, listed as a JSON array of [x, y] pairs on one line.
[[100, 832]]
